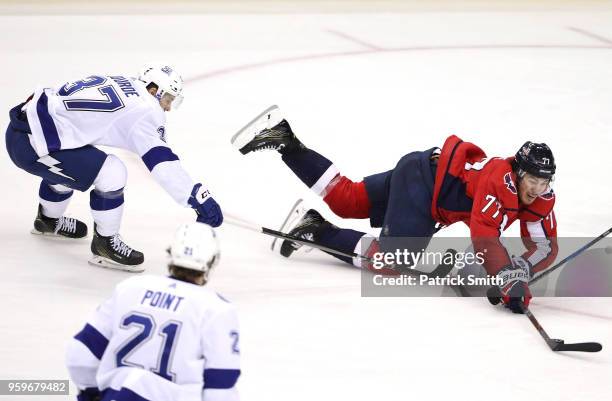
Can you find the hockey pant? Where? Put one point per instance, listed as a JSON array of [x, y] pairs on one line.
[[397, 200]]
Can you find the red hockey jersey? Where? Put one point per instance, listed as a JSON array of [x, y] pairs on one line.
[[482, 192]]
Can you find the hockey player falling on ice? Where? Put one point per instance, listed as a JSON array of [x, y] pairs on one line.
[[162, 338], [54, 133], [436, 187]]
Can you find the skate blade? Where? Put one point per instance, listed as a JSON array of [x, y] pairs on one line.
[[267, 119], [55, 236], [298, 210], [101, 261]]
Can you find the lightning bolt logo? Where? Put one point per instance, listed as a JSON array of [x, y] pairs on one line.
[[51, 163]]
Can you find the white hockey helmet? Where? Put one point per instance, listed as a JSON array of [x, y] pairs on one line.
[[195, 246], [169, 83]]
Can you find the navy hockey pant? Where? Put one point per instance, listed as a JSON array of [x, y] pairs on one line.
[[73, 168], [68, 169], [398, 200]]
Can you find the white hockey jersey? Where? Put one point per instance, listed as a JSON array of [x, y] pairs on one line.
[[107, 110], [160, 339]]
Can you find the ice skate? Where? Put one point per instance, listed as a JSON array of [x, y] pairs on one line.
[[113, 253], [303, 224], [267, 131], [295, 214], [63, 227]]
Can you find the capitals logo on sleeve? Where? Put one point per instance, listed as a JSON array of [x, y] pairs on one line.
[[162, 133], [509, 183]]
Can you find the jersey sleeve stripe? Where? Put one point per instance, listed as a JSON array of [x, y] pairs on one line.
[[47, 124], [93, 340], [156, 155], [220, 378], [543, 248]]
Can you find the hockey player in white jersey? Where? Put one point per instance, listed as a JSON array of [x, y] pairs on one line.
[[162, 338], [54, 135]]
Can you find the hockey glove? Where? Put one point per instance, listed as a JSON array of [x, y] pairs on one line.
[[514, 290], [89, 394], [206, 207]]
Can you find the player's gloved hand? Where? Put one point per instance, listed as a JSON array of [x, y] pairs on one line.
[[89, 394], [514, 290], [206, 207]]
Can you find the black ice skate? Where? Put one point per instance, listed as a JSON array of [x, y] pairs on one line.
[[267, 131], [113, 253], [307, 226], [63, 227]]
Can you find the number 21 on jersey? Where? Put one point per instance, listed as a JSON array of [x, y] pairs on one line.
[[146, 326]]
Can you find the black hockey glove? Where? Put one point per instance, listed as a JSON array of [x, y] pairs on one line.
[[514, 291], [89, 394]]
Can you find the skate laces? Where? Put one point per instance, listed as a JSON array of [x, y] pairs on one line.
[[268, 136], [119, 246], [66, 224]]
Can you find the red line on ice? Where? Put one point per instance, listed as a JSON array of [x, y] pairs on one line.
[[354, 40], [591, 35], [308, 57]]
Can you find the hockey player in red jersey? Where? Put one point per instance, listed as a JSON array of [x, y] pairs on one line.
[[425, 191]]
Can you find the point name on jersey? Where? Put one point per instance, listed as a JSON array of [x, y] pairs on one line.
[[162, 300]]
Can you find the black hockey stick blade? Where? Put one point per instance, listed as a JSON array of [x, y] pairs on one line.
[[560, 345], [556, 344]]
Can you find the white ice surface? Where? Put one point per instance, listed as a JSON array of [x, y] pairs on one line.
[[363, 89]]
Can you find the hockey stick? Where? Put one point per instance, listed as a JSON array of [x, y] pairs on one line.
[[572, 256], [556, 344], [441, 271]]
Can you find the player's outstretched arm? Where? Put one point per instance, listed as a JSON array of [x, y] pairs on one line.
[[167, 170], [488, 220]]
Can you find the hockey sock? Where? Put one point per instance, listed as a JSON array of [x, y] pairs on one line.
[[347, 199], [107, 210], [54, 199], [312, 169]]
